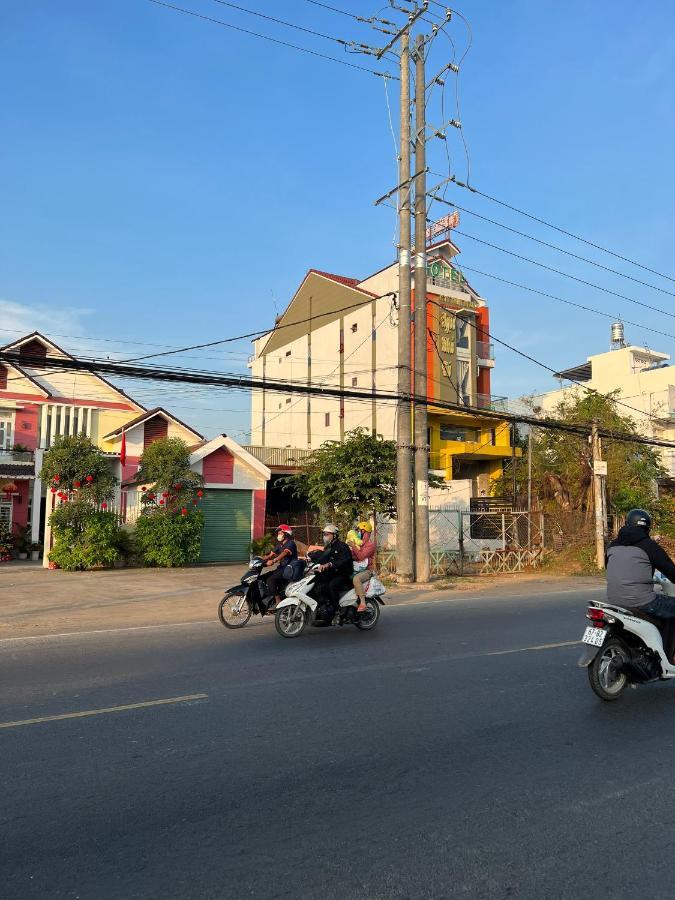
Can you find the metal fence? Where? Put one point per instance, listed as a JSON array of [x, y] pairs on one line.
[[465, 542]]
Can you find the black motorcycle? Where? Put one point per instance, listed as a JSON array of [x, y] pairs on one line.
[[251, 595]]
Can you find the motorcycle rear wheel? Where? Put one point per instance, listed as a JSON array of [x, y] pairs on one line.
[[368, 620], [606, 684], [290, 621], [234, 610]]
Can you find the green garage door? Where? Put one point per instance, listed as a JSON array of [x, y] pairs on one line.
[[227, 526]]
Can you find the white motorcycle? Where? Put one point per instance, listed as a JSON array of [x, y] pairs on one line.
[[624, 647], [301, 609]]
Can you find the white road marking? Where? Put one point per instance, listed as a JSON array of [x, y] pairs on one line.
[[45, 637], [537, 647], [104, 711]]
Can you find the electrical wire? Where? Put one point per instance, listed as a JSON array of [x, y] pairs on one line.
[[156, 373], [548, 368], [571, 234], [537, 240], [256, 334], [267, 37], [541, 265], [260, 15], [334, 9], [590, 309]]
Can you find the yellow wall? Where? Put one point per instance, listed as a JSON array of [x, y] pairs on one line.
[[488, 449]]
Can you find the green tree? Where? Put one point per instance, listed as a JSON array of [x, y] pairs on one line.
[[165, 467], [169, 530], [350, 479], [562, 462], [74, 464]]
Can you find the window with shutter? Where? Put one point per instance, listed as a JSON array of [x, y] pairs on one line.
[[154, 429], [32, 349]]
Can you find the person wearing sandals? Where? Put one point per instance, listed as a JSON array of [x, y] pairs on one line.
[[364, 559]]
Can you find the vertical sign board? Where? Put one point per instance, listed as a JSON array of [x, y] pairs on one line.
[[442, 354]]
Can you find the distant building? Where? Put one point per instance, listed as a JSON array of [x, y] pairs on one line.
[[343, 332], [643, 378]]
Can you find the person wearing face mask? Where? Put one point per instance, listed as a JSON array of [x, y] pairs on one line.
[[284, 553], [335, 566]]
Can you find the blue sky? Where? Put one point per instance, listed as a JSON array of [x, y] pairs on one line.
[[169, 181]]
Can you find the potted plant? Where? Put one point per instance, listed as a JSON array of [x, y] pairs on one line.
[[35, 551], [22, 541]]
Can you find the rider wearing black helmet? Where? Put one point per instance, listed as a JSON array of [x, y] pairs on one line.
[[632, 560]]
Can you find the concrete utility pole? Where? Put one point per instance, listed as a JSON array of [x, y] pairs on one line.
[[421, 452], [599, 473], [405, 536]]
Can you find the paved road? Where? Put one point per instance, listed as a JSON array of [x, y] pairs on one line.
[[436, 757]]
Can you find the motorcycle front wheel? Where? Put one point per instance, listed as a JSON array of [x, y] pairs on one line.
[[234, 610], [367, 620], [290, 621], [604, 680]]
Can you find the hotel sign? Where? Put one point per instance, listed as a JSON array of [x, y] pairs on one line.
[[447, 223]]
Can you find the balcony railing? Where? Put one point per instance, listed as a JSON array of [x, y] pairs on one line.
[[496, 404], [447, 283], [15, 457], [279, 457], [485, 350]]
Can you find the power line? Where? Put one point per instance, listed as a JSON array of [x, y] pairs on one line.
[[156, 373], [557, 228], [548, 368], [590, 309], [342, 12], [267, 37], [541, 265], [260, 15], [253, 334], [537, 240]]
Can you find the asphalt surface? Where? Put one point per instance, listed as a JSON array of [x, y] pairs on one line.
[[435, 757]]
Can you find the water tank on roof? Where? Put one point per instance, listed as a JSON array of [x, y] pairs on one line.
[[618, 338]]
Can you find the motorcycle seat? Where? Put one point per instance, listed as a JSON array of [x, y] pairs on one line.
[[641, 614]]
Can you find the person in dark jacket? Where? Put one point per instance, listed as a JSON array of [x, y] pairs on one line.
[[335, 565], [631, 562], [285, 552]]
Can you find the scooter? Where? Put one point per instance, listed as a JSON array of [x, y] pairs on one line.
[[623, 647], [250, 596], [300, 608]]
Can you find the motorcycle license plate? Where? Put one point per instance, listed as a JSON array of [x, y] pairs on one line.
[[594, 636]]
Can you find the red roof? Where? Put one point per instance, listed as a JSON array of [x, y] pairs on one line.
[[341, 279]]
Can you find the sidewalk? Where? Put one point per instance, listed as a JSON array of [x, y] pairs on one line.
[[35, 601]]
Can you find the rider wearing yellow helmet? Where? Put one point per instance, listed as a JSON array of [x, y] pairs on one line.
[[364, 558]]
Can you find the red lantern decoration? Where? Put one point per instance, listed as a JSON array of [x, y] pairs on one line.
[[200, 493], [104, 505], [89, 479], [183, 512], [57, 478], [165, 494], [161, 503], [53, 490], [178, 486], [77, 484]]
